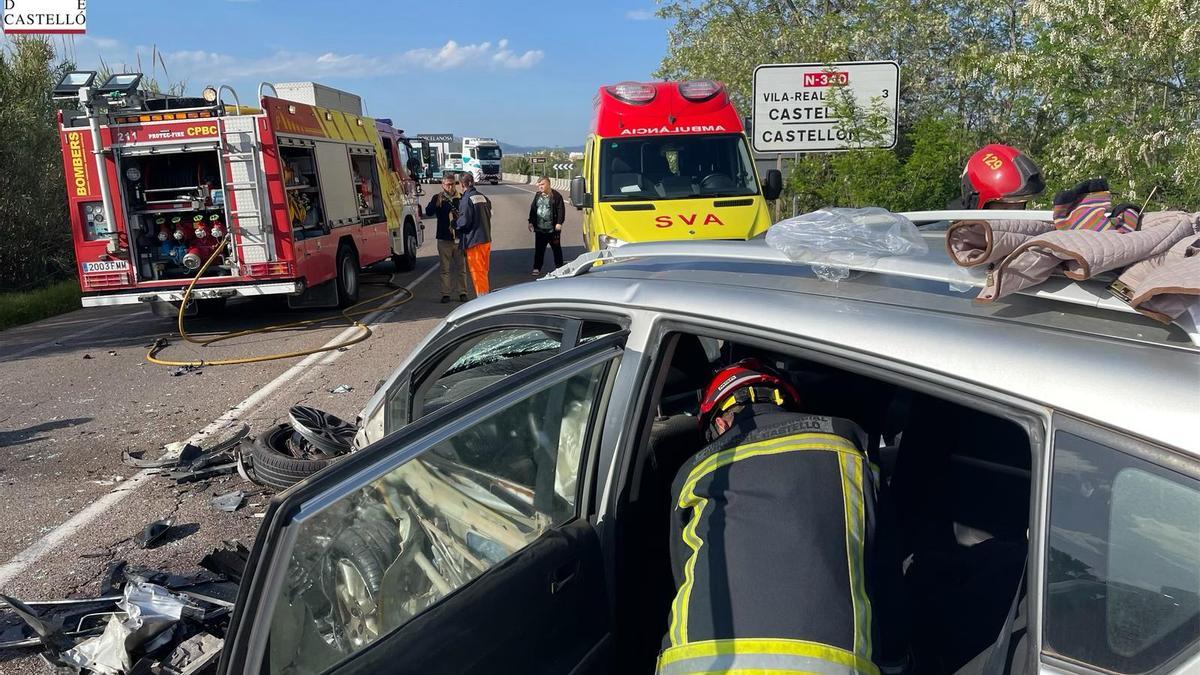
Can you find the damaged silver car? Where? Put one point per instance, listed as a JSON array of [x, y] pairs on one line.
[[506, 506]]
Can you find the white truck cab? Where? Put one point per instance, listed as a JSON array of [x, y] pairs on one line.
[[481, 156]]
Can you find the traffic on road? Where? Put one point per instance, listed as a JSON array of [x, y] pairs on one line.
[[326, 405]]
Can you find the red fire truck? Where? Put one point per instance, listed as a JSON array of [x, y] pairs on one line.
[[292, 196]]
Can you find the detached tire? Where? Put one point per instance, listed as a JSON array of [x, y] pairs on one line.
[[276, 470], [347, 276]]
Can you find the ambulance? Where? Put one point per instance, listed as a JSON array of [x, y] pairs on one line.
[[669, 161], [292, 195]]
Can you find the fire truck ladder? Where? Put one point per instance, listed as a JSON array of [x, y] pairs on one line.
[[240, 148]]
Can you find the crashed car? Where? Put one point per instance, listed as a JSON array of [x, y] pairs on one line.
[[506, 507]]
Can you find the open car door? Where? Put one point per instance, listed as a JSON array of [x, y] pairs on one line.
[[459, 543]]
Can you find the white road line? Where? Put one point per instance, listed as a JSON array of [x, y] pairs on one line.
[[54, 538], [65, 339]]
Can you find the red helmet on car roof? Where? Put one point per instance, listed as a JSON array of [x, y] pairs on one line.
[[747, 381], [999, 173]]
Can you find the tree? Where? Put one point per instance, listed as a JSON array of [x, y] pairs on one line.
[[1104, 88], [35, 236]]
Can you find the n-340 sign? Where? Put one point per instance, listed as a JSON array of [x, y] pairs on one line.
[[792, 110]]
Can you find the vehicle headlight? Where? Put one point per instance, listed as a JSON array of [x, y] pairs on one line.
[[610, 242]]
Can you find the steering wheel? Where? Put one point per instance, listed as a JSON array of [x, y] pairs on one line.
[[716, 180]]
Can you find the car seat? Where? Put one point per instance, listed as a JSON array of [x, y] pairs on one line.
[[961, 487], [674, 436], [622, 177]]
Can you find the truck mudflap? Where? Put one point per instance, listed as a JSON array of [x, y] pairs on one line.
[[199, 293]]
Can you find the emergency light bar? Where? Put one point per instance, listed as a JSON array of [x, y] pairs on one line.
[[632, 92], [699, 90]]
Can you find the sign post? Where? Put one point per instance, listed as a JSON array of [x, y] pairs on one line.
[[793, 109]]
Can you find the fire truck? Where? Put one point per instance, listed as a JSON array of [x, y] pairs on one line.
[[291, 196], [669, 160]]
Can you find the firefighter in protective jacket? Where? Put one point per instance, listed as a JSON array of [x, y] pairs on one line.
[[773, 546]]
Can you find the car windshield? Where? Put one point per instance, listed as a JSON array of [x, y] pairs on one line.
[[486, 152], [675, 167]]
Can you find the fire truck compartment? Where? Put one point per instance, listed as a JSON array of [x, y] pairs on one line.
[[175, 210]]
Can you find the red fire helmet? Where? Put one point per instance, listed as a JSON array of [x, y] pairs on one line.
[[747, 381], [998, 173]]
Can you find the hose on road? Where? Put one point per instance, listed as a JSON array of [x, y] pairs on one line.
[[397, 297]]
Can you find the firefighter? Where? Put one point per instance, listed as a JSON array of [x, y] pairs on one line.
[[773, 545], [1000, 177]]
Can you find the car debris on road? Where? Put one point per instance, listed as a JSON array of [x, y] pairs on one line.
[[144, 623]]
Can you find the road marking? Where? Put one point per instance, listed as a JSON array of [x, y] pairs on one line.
[[63, 340], [54, 538]]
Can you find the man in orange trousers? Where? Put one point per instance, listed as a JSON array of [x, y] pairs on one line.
[[474, 228]]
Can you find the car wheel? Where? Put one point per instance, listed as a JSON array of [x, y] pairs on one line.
[[274, 465], [407, 261], [358, 561], [347, 276]]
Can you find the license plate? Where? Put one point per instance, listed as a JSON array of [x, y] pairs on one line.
[[106, 266]]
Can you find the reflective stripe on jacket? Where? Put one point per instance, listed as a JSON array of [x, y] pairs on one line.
[[770, 538]]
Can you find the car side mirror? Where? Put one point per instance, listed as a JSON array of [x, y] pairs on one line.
[[580, 198], [772, 185]]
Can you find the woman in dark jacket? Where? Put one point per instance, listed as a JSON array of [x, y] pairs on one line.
[[546, 216]]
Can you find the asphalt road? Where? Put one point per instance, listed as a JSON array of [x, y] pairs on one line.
[[76, 391]]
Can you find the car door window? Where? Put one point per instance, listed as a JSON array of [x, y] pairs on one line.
[[378, 556], [1123, 565]]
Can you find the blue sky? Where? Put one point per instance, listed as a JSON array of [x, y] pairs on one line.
[[521, 72]]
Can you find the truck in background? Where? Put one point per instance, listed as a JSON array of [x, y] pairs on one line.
[[669, 160], [292, 197], [481, 157]]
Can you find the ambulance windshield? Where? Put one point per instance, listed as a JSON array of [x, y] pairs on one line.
[[675, 167]]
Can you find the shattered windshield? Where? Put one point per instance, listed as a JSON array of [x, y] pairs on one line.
[[503, 345]]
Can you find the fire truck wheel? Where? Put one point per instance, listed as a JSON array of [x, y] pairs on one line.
[[407, 261], [274, 467], [347, 276]]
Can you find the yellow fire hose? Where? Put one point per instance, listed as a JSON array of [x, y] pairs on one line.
[[348, 314]]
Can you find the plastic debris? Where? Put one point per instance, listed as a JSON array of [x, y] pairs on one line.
[[150, 612], [341, 389], [230, 501], [833, 240], [152, 533]]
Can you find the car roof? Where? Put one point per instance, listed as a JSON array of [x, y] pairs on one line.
[[1065, 345]]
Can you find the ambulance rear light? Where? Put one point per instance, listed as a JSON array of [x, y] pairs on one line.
[[632, 92], [699, 90]]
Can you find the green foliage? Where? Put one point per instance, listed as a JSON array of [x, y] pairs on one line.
[[35, 237], [21, 307], [1105, 88]]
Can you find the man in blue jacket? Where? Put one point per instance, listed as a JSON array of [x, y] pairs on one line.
[[444, 206], [474, 228]]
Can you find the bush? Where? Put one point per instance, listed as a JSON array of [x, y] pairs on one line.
[[22, 307]]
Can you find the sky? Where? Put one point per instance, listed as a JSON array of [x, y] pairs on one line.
[[524, 73]]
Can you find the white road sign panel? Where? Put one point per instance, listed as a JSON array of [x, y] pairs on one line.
[[791, 104]]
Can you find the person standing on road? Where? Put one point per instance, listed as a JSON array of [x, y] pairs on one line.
[[547, 214], [474, 228], [444, 206]]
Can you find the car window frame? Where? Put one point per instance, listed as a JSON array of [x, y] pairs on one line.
[[455, 335], [1147, 450], [250, 625]]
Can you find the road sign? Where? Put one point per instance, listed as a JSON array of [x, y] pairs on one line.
[[792, 110], [563, 166], [537, 160], [437, 138]]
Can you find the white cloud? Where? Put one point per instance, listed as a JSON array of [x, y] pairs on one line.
[[641, 15], [453, 55]]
